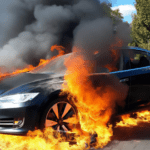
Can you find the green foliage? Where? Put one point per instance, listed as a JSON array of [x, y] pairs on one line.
[[141, 25], [115, 15], [106, 9]]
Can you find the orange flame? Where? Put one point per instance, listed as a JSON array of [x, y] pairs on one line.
[[115, 54], [38, 140], [96, 52], [58, 48], [143, 116], [42, 63], [94, 111], [94, 108]]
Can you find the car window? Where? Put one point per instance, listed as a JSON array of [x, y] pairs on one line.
[[135, 59], [109, 64], [126, 63]]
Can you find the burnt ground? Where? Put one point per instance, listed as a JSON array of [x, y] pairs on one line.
[[130, 138]]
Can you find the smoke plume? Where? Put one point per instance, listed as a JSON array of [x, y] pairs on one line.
[[30, 27]]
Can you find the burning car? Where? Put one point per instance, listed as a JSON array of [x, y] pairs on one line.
[[32, 99]]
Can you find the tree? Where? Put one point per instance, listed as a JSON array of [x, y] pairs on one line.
[[115, 15], [141, 25]]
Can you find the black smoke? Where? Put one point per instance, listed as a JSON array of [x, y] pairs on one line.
[[28, 28]]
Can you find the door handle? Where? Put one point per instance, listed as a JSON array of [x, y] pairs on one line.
[[124, 80]]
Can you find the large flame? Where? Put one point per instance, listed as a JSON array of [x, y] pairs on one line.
[[94, 109], [38, 140]]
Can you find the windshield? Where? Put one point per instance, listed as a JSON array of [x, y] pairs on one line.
[[54, 66], [57, 66]]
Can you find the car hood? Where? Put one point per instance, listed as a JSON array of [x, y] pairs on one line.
[[9, 83]]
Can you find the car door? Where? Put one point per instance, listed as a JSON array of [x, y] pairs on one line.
[[124, 76], [140, 78], [121, 72]]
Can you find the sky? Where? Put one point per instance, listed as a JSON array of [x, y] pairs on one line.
[[126, 7]]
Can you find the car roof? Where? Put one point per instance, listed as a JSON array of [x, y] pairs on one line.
[[136, 48]]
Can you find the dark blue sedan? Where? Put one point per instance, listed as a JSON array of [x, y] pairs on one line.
[[31, 99]]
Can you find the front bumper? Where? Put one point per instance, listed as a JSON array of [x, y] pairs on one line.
[[10, 117]]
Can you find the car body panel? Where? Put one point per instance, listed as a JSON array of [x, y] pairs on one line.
[[140, 86], [30, 110], [139, 82], [17, 80]]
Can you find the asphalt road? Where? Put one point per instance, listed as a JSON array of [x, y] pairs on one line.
[[130, 138], [128, 145]]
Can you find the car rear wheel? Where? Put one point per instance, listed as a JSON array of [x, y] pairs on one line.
[[60, 116]]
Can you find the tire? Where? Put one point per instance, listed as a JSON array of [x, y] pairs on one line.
[[56, 115]]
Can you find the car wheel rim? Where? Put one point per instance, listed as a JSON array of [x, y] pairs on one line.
[[60, 117]]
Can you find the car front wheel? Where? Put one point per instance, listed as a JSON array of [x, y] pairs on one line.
[[60, 116]]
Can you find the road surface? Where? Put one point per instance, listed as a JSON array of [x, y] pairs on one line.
[[130, 138]]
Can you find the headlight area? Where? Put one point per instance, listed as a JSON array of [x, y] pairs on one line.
[[17, 111], [12, 122], [17, 98]]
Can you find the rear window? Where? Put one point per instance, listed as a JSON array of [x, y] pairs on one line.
[[135, 59]]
